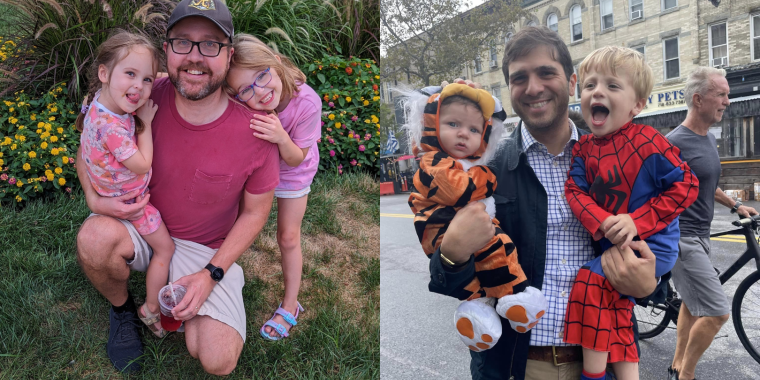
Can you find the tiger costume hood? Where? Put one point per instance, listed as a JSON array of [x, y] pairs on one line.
[[422, 114]]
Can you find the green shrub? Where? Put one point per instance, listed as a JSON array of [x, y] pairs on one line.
[[57, 40], [350, 109], [37, 144], [359, 34]]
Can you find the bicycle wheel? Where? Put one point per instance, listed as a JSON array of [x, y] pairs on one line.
[[654, 318], [746, 314]]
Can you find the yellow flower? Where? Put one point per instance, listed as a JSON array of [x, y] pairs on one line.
[[47, 166], [18, 198], [12, 120], [54, 152], [58, 170], [7, 141], [49, 177], [48, 172], [27, 166], [350, 135], [48, 127], [377, 77], [51, 118], [1, 154], [43, 145], [21, 104], [331, 117], [54, 109], [33, 154], [348, 98], [376, 98], [19, 183], [53, 138], [375, 119], [366, 121], [378, 132], [366, 102], [13, 147], [22, 138], [71, 112], [11, 109], [33, 117], [377, 125], [61, 181], [375, 153], [337, 125], [40, 125], [60, 131], [65, 160], [45, 135], [21, 127], [1, 161]]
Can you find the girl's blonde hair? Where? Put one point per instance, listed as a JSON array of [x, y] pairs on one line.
[[253, 54], [109, 53], [612, 58]]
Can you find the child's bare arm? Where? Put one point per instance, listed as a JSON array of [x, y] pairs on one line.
[[269, 128], [141, 161]]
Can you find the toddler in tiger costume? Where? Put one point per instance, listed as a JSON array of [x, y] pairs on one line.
[[452, 131]]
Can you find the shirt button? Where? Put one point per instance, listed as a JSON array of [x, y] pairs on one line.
[[555, 163], [440, 278], [564, 227], [564, 261], [563, 294]]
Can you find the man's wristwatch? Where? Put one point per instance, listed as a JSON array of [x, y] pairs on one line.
[[216, 273], [736, 207]]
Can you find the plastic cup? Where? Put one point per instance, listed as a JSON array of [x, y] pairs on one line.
[[166, 303]]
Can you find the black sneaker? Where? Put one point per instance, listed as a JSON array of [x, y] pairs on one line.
[[672, 374], [124, 346]]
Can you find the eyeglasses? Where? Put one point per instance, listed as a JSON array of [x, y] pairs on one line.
[[262, 80], [206, 48]]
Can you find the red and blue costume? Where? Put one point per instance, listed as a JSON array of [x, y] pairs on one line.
[[636, 171]]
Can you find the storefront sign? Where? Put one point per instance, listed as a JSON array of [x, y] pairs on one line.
[[660, 99]]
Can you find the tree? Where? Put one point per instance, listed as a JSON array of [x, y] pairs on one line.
[[430, 40]]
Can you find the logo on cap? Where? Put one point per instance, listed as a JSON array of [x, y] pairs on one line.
[[204, 5]]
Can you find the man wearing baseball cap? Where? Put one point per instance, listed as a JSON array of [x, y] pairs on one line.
[[213, 183]]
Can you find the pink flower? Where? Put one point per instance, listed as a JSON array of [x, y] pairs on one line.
[[331, 104], [12, 181], [367, 137], [340, 166], [332, 154], [355, 118], [4, 177], [68, 190], [319, 140], [323, 124], [332, 141], [353, 162], [71, 160], [361, 148], [329, 129], [340, 171], [43, 179]]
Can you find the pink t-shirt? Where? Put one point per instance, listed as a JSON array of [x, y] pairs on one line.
[[200, 172], [302, 120], [107, 140]]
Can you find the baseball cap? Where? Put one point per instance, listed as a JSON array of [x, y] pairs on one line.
[[214, 10]]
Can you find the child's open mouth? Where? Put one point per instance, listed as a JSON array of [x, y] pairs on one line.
[[133, 98], [267, 98], [599, 114]]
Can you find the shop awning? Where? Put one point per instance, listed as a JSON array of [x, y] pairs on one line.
[[402, 158]]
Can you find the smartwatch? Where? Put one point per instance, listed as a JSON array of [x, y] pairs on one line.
[[736, 207], [216, 273]]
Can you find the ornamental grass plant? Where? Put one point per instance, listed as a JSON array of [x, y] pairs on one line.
[[38, 143], [57, 39], [350, 112]]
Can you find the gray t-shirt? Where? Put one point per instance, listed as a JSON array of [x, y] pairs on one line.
[[701, 154]]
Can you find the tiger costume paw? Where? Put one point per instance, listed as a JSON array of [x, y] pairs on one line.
[[477, 324], [523, 310]]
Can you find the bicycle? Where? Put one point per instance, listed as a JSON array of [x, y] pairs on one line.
[[654, 318]]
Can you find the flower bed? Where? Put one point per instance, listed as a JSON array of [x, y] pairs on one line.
[[38, 143], [350, 108]]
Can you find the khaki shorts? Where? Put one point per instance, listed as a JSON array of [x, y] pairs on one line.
[[225, 303]]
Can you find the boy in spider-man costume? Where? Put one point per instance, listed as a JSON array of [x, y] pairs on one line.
[[626, 180]]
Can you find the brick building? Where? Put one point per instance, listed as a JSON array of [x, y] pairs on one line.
[[675, 36]]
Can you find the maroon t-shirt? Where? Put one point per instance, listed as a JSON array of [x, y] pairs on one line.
[[201, 171]]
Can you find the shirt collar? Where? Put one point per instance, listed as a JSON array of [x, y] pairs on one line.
[[530, 142]]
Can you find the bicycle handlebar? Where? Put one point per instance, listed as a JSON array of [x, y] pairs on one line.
[[746, 221]]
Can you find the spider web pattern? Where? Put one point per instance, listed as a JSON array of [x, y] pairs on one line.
[[648, 165], [599, 318]]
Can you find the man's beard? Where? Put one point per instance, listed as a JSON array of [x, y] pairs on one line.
[[214, 83], [550, 120]]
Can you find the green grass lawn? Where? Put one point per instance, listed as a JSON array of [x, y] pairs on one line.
[[54, 325]]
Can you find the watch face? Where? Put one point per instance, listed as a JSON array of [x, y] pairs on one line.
[[217, 274]]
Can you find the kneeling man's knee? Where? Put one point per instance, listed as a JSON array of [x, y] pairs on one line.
[[220, 366]]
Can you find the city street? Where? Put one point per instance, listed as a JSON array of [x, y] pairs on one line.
[[417, 337]]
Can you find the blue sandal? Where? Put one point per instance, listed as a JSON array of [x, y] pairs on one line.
[[280, 329]]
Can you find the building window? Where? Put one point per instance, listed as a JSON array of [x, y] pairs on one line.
[[551, 22], [577, 83], [639, 49], [478, 64], [670, 55], [605, 9], [718, 41], [507, 37], [576, 26], [531, 23], [492, 55], [669, 4], [637, 9], [755, 36], [729, 134], [496, 91]]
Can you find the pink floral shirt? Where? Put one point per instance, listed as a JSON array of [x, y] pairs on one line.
[[107, 140]]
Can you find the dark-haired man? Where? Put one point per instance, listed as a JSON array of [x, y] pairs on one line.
[[531, 208]]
